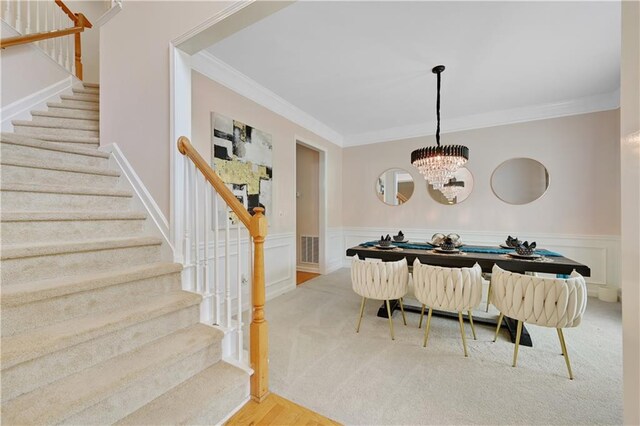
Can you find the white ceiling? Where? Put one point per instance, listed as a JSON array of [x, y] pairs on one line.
[[363, 69]]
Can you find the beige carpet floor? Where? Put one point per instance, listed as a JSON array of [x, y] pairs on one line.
[[317, 360]]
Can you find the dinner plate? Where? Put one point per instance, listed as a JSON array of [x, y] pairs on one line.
[[378, 246], [439, 250], [525, 256], [401, 242], [504, 246]]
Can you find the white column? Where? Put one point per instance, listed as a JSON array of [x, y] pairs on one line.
[[239, 291], [227, 270], [216, 263]]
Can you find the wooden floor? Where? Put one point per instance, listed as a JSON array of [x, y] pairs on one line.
[[277, 411], [304, 276]]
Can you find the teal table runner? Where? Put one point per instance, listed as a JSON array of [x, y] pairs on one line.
[[465, 248]]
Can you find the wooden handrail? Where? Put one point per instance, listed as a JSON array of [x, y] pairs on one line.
[[80, 22], [257, 226], [30, 38], [185, 148]]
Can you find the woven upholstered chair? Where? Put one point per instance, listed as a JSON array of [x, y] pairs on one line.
[[549, 302], [380, 281], [451, 289]]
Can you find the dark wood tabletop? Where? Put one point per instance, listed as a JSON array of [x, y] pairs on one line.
[[549, 265]]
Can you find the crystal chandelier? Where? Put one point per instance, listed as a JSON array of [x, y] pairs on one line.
[[438, 163], [451, 189]]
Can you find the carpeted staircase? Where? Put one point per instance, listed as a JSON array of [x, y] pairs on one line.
[[95, 326]]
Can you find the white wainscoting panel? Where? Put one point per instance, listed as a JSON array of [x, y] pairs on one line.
[[600, 252], [279, 262], [335, 250]]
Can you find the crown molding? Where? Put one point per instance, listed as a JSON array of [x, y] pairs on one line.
[[207, 64], [602, 102]]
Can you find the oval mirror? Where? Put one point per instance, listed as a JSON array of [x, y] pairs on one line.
[[520, 180], [394, 187], [456, 190]]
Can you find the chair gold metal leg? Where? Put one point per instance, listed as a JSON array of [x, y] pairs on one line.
[[464, 338], [498, 327], [515, 351], [488, 297], [390, 320], [404, 319], [427, 328], [560, 339], [421, 316], [564, 351], [364, 299], [473, 329]]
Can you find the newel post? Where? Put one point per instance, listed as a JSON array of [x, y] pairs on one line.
[[259, 329]]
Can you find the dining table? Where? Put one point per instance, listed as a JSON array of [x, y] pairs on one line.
[[467, 255]]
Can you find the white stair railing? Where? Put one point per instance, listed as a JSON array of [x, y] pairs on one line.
[[214, 221], [216, 264], [41, 19]]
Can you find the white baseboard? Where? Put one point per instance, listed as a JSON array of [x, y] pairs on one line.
[[306, 267], [141, 191], [21, 109]]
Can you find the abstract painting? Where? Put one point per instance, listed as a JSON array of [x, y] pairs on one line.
[[242, 156]]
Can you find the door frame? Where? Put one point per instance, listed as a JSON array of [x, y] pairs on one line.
[[322, 198]]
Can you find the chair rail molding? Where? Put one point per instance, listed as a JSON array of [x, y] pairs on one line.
[[600, 252]]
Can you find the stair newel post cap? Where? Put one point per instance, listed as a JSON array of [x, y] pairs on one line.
[[258, 223]]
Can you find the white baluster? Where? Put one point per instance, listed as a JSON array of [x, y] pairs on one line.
[[28, 25], [8, 14], [216, 263], [239, 290], [187, 230], [196, 234], [18, 25], [47, 26], [67, 60], [59, 39], [206, 272], [37, 28], [227, 270]]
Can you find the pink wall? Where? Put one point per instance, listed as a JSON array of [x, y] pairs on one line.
[[134, 77], [209, 96], [580, 152]]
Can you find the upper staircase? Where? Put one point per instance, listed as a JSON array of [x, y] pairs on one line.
[[95, 327]]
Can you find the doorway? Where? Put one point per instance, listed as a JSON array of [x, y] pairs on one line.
[[308, 208]]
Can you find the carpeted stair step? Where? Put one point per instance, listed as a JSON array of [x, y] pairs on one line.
[[74, 114], [62, 111], [109, 391], [21, 197], [45, 172], [205, 399], [62, 123], [13, 146], [86, 91], [76, 105], [91, 85], [32, 227], [81, 98], [67, 140], [31, 128], [47, 354], [39, 261], [35, 304]]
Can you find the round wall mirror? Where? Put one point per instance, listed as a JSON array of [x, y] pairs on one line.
[[520, 180], [456, 190], [394, 187]]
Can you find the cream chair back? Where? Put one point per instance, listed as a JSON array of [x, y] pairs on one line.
[[549, 302], [455, 289], [380, 280]]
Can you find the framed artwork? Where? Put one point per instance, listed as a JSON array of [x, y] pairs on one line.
[[243, 157]]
